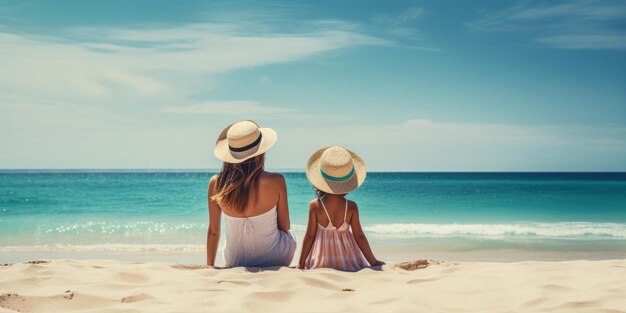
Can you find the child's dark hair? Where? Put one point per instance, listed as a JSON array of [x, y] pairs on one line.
[[319, 194]]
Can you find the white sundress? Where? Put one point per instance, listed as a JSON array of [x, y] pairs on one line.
[[256, 241]]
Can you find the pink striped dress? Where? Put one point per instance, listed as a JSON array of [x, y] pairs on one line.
[[335, 247]]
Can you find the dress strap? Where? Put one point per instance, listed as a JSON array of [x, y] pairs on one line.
[[345, 212], [323, 206]]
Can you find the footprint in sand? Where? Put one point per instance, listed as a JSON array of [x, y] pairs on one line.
[[234, 282], [580, 304], [68, 295], [61, 302], [36, 262], [413, 265], [137, 298], [11, 301], [189, 266]]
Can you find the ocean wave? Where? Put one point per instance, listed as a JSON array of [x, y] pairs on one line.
[[565, 230], [163, 233], [138, 248], [506, 232], [149, 227]]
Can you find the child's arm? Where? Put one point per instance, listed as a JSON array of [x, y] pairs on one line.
[[361, 240], [309, 236]]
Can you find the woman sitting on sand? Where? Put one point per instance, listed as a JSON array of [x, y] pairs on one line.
[[334, 172], [254, 202]]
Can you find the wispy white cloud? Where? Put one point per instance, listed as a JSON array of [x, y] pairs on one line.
[[240, 107], [45, 118], [408, 15], [91, 97], [585, 10], [94, 62], [586, 41], [568, 25], [401, 25], [6, 13], [406, 32]]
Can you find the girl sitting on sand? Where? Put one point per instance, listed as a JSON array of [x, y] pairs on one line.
[[334, 172]]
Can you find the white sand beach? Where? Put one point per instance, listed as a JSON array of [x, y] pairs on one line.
[[418, 286]]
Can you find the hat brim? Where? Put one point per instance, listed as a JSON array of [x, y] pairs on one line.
[[314, 175], [223, 153]]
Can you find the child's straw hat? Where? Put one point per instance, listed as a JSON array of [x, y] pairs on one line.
[[335, 170]]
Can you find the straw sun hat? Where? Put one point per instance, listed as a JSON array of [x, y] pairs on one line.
[[335, 170], [243, 140]]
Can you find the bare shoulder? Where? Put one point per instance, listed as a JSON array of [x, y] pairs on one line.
[[313, 206], [272, 178], [213, 179], [212, 182], [352, 207]]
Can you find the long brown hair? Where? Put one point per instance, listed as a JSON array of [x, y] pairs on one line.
[[236, 180]]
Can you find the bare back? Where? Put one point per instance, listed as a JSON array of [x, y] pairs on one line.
[[269, 192], [336, 208], [261, 199]]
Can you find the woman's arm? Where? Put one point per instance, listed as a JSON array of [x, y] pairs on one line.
[[361, 240], [309, 236], [282, 207], [215, 224]]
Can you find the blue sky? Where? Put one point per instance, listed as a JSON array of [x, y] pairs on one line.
[[410, 85]]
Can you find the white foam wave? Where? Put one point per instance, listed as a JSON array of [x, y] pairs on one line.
[[570, 230], [565, 230], [538, 230], [138, 248], [523, 231], [143, 227]]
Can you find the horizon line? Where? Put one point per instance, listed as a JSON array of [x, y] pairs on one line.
[[289, 170]]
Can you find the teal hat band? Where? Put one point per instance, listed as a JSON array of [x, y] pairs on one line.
[[333, 178]]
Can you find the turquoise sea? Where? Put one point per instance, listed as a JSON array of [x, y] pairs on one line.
[[147, 215]]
